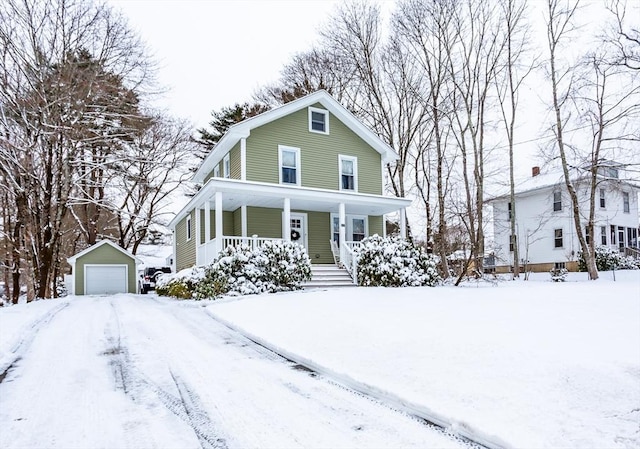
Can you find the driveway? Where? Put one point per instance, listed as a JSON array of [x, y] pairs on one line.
[[136, 371]]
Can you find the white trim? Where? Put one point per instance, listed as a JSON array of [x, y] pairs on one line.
[[348, 228], [354, 159], [282, 148], [243, 219], [305, 228], [226, 166], [243, 159], [72, 259], [126, 274], [219, 222], [187, 229], [243, 129], [216, 171], [326, 120]]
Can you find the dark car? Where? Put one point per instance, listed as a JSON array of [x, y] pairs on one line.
[[149, 277]]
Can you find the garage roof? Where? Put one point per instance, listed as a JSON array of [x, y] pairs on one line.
[[75, 257]]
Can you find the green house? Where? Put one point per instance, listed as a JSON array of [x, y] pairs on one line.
[[308, 171], [103, 268]]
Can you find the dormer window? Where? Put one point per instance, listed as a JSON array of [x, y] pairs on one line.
[[318, 121], [289, 161], [348, 173]]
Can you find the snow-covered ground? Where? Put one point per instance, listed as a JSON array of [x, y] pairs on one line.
[[533, 364], [131, 371]]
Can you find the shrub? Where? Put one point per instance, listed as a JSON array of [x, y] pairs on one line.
[[394, 262], [180, 285], [275, 266], [609, 259]]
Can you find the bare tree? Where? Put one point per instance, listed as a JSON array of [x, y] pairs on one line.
[[44, 117], [623, 36]]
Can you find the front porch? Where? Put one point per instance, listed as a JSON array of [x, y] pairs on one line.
[[231, 213]]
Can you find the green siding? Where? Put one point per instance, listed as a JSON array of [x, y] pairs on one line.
[[319, 234], [234, 162], [210, 175], [237, 221], [264, 222], [227, 224], [318, 153], [375, 224], [105, 255], [185, 250]]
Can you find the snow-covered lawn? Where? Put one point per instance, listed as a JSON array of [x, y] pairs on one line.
[[534, 364]]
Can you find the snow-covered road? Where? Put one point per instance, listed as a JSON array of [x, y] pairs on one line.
[[133, 372]]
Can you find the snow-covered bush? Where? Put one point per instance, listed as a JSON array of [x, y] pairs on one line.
[[180, 285], [609, 259], [275, 266], [394, 262], [558, 274]]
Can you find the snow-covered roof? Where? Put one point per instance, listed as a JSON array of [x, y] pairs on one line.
[[75, 257], [243, 129]]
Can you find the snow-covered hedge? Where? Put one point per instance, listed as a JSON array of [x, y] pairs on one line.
[[275, 266], [181, 284], [394, 262], [609, 259]]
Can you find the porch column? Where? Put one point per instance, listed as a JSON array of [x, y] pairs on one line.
[[207, 221], [342, 223], [286, 218], [218, 199], [197, 236], [243, 161], [243, 219], [403, 223]]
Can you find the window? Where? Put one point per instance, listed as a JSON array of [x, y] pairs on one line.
[[216, 171], [559, 265], [188, 228], [611, 172], [557, 242], [226, 166], [512, 242], [625, 202], [587, 236], [348, 173], [557, 201], [613, 235], [318, 121], [358, 231], [509, 209], [289, 165], [602, 199], [603, 235], [335, 233]]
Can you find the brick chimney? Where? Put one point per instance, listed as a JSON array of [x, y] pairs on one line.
[[535, 171]]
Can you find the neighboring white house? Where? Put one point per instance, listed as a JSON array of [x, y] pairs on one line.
[[545, 229]]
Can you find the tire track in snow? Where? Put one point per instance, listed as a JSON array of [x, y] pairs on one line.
[[26, 339], [186, 406]]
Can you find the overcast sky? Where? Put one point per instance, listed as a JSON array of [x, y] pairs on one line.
[[215, 53]]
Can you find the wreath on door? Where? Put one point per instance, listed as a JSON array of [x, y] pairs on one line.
[[295, 235]]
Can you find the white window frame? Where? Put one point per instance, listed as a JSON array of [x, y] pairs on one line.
[[558, 192], [342, 157], [216, 171], [282, 148], [626, 203], [556, 238], [188, 228], [326, 120], [226, 166], [349, 228], [603, 199]]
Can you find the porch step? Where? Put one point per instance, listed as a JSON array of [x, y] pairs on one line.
[[323, 276]]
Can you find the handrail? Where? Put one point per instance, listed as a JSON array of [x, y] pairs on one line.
[[632, 252], [351, 263]]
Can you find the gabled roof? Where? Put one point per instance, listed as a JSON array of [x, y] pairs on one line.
[[550, 180], [75, 257], [243, 129]]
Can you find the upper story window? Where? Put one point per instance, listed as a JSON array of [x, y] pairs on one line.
[[188, 224], [289, 162], [611, 172], [216, 171], [625, 202], [557, 201], [319, 120], [348, 173], [226, 166], [557, 238], [509, 209], [602, 199]]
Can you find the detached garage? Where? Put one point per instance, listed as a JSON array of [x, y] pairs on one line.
[[103, 268]]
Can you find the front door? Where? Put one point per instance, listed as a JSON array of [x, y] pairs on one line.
[[299, 228]]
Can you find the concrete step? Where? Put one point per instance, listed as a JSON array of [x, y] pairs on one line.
[[328, 275]]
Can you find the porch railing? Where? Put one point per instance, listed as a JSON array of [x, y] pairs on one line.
[[350, 261], [208, 252]]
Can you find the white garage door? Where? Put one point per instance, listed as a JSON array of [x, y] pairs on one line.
[[105, 279]]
